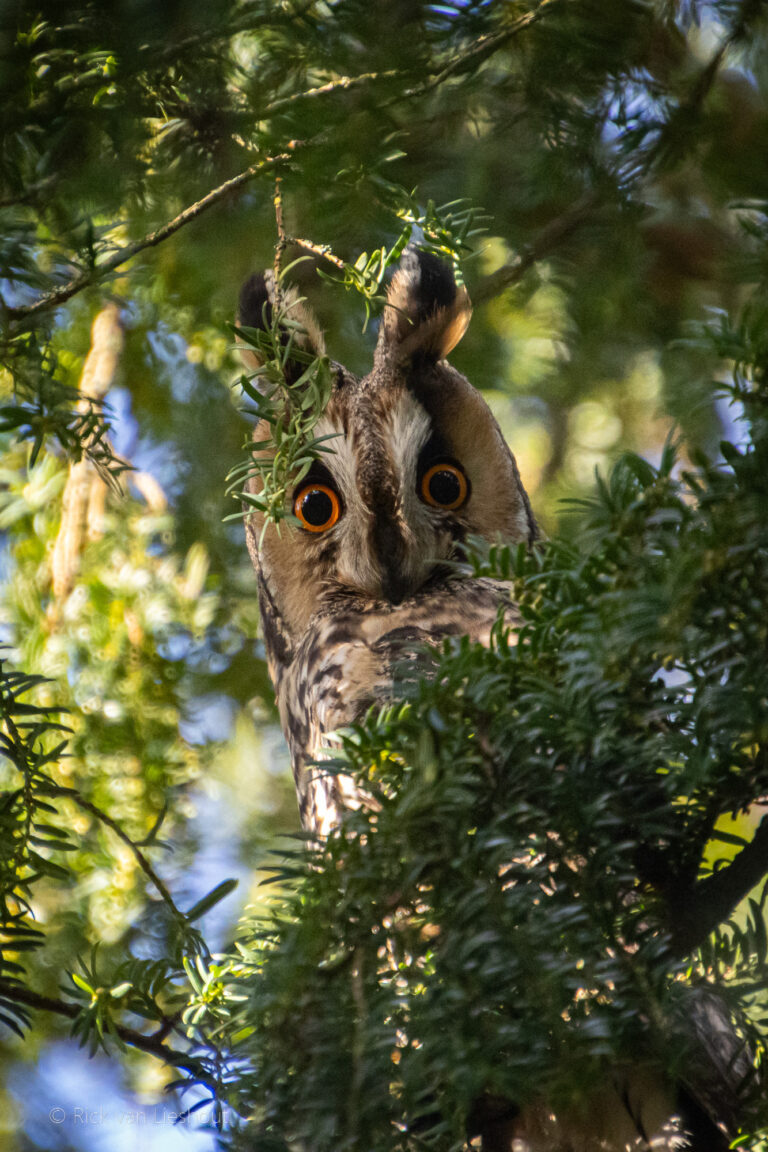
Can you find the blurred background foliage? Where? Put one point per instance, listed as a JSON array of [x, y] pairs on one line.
[[619, 151]]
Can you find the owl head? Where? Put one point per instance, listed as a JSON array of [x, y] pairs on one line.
[[418, 462]]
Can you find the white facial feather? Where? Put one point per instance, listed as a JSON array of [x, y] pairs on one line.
[[355, 566], [408, 430], [340, 461], [405, 430]]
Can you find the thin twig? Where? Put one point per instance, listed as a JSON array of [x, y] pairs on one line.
[[708, 74], [553, 234], [340, 84], [564, 225], [66, 291], [152, 1043], [482, 48], [282, 242], [322, 250], [144, 864], [154, 56], [690, 107]]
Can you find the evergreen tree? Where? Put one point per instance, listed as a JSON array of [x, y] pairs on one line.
[[569, 853]]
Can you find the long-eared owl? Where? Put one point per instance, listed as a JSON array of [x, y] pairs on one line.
[[418, 466], [418, 463]]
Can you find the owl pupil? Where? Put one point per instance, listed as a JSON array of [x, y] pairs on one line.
[[445, 487], [317, 508]]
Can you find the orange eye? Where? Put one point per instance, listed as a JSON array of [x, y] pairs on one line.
[[317, 507], [444, 486]]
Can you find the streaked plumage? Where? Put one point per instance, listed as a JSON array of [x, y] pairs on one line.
[[342, 606], [339, 607]]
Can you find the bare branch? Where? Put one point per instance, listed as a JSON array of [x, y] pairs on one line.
[[479, 51], [282, 242], [323, 251], [66, 291], [340, 84]]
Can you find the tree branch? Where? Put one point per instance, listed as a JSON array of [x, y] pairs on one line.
[[551, 235], [479, 51], [689, 108], [482, 48], [340, 84], [282, 243], [66, 291], [696, 913], [152, 1043], [564, 225], [749, 11], [153, 56], [322, 251], [144, 864]]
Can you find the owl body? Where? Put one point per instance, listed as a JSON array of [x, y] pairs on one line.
[[341, 604], [345, 663], [373, 577]]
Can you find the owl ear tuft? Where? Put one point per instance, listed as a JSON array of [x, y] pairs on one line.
[[426, 312], [256, 310]]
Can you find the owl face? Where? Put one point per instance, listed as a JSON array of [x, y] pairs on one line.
[[418, 463]]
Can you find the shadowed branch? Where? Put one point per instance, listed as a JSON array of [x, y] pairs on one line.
[[66, 291], [695, 914]]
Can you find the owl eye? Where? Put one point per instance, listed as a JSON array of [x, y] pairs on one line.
[[444, 485], [317, 507]]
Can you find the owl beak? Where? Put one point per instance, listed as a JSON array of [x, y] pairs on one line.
[[398, 581], [394, 588]]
